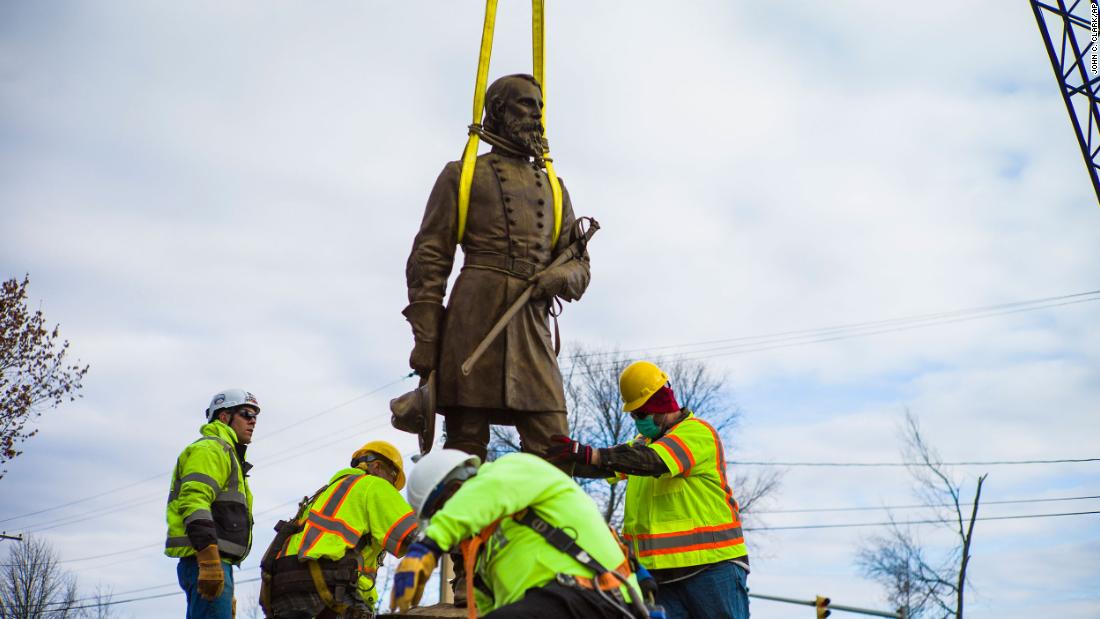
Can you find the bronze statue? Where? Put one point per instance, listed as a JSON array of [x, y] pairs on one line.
[[507, 244]]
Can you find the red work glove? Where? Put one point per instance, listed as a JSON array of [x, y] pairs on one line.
[[568, 450]]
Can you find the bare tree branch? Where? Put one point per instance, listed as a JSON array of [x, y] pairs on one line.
[[33, 586], [899, 563]]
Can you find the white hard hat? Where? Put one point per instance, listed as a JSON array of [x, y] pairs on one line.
[[228, 399], [435, 468]]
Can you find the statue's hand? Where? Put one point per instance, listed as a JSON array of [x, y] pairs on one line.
[[422, 358], [550, 283]]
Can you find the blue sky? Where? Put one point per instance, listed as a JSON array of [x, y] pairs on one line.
[[210, 195]]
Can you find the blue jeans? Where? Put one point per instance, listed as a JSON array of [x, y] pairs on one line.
[[198, 608], [719, 592]]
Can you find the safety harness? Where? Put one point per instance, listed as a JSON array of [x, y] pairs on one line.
[[469, 154], [290, 574], [606, 583]]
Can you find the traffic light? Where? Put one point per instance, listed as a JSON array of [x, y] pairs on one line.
[[821, 604]]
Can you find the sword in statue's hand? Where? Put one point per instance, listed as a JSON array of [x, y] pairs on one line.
[[575, 250]]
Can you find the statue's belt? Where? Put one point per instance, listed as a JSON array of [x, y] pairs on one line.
[[515, 267]]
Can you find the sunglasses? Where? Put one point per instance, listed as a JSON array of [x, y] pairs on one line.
[[637, 416], [248, 416], [386, 464]]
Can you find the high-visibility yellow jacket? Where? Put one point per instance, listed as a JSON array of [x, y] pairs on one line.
[[356, 511], [516, 558], [209, 484], [687, 516]]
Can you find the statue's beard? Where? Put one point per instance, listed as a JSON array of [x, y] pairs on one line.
[[525, 133]]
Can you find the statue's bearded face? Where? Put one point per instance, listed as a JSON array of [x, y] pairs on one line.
[[520, 119]]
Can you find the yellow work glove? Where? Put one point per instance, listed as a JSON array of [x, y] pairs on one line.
[[413, 573], [211, 576]]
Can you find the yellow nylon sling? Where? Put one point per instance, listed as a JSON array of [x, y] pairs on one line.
[[469, 155]]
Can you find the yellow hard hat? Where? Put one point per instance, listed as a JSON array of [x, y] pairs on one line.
[[638, 382], [388, 453]]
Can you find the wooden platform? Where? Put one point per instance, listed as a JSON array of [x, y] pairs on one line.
[[442, 611]]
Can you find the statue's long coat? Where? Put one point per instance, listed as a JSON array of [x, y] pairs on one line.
[[511, 216]]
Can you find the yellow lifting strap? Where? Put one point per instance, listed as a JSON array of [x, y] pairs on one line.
[[469, 155]]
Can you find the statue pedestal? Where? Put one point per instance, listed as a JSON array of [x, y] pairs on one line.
[[442, 611]]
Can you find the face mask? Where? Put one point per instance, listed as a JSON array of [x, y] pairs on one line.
[[647, 427]]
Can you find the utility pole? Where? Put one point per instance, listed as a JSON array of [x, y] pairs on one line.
[[4, 535]]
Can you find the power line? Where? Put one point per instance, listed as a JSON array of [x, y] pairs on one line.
[[935, 318], [303, 449], [917, 506], [148, 597], [141, 589], [308, 448], [763, 343], [103, 511], [852, 325], [171, 584], [301, 420], [109, 554], [879, 464], [87, 498], [881, 524], [165, 475], [782, 528], [905, 322], [775, 511]]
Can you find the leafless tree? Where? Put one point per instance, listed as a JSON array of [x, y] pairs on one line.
[[921, 585], [596, 417], [33, 371], [99, 606], [33, 586], [248, 602]]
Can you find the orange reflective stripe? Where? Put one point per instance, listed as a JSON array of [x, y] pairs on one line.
[[720, 458], [679, 442], [340, 495], [399, 532], [701, 538], [312, 533], [679, 452], [680, 534], [335, 526]]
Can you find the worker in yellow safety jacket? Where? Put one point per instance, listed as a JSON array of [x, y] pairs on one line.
[[324, 562], [533, 543], [680, 516], [209, 509]]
